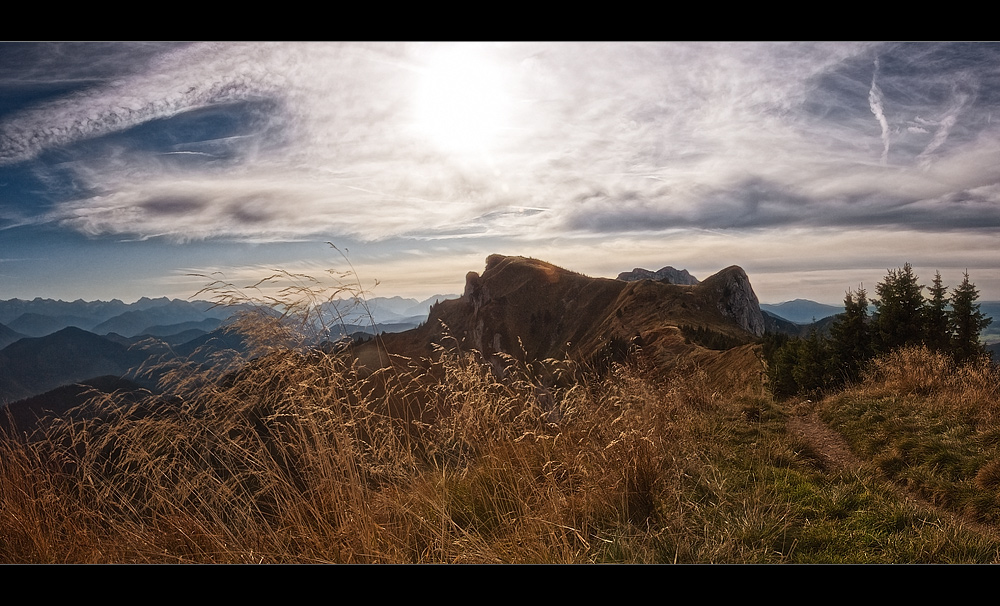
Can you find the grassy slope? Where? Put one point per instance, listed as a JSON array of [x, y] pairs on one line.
[[304, 456], [288, 462]]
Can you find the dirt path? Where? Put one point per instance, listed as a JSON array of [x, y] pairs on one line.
[[835, 455], [828, 445]]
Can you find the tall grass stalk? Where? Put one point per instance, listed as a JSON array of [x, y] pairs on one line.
[[297, 454]]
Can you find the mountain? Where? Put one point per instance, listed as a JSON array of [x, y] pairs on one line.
[[38, 325], [533, 310], [40, 317], [59, 402], [8, 336], [169, 330], [802, 311], [778, 325], [671, 275], [136, 321], [91, 312], [35, 365]]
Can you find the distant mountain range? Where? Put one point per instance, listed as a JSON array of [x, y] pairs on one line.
[[34, 365], [40, 317], [802, 311], [163, 316], [47, 344]]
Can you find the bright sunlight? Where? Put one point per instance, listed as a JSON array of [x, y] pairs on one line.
[[461, 101]]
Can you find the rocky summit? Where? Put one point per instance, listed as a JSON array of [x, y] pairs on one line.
[[533, 310], [666, 274]]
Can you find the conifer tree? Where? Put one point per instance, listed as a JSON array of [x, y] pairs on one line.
[[781, 366], [811, 370], [967, 321], [899, 316], [851, 341], [937, 330]]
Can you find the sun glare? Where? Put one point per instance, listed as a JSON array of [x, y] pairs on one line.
[[461, 101]]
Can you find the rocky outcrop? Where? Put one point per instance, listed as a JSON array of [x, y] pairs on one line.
[[532, 310], [736, 298], [667, 274]]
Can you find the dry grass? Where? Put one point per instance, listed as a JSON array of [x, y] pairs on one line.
[[295, 454], [292, 459], [930, 426], [972, 388]]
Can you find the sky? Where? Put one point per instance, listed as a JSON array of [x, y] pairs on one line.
[[150, 169]]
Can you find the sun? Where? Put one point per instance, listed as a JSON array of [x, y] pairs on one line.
[[461, 102]]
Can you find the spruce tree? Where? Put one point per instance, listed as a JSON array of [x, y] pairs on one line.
[[937, 329], [899, 316], [967, 321], [850, 336], [781, 367], [811, 366]]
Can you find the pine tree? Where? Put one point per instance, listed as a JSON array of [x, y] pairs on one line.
[[851, 341], [967, 321], [781, 365], [899, 317], [936, 324], [811, 371]]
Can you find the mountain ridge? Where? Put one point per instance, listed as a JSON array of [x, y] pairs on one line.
[[534, 310], [668, 273]]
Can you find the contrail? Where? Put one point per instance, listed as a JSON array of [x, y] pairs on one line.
[[875, 102]]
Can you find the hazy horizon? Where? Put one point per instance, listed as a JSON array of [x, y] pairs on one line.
[[126, 167]]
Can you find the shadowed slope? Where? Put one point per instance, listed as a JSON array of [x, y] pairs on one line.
[[35, 365], [533, 310]]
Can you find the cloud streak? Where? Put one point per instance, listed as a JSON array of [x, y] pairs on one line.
[[875, 101], [683, 134], [288, 142]]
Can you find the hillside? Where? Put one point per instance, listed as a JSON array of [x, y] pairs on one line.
[[35, 365], [533, 310], [8, 336], [542, 417]]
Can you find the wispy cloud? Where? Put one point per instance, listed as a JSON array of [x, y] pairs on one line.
[[875, 101], [664, 134], [283, 142]]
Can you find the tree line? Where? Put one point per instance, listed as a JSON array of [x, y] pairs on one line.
[[902, 316]]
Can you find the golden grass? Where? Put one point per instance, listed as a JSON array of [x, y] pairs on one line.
[[971, 388], [296, 454]]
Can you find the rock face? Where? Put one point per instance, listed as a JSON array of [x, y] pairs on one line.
[[533, 310], [526, 305], [736, 299], [668, 274]]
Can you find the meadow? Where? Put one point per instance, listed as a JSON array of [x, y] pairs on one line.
[[298, 457], [293, 453]]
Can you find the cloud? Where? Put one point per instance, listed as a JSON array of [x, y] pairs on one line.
[[285, 141], [182, 78], [875, 101], [962, 97]]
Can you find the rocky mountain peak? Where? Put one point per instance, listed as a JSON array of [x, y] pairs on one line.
[[736, 298], [667, 274]]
